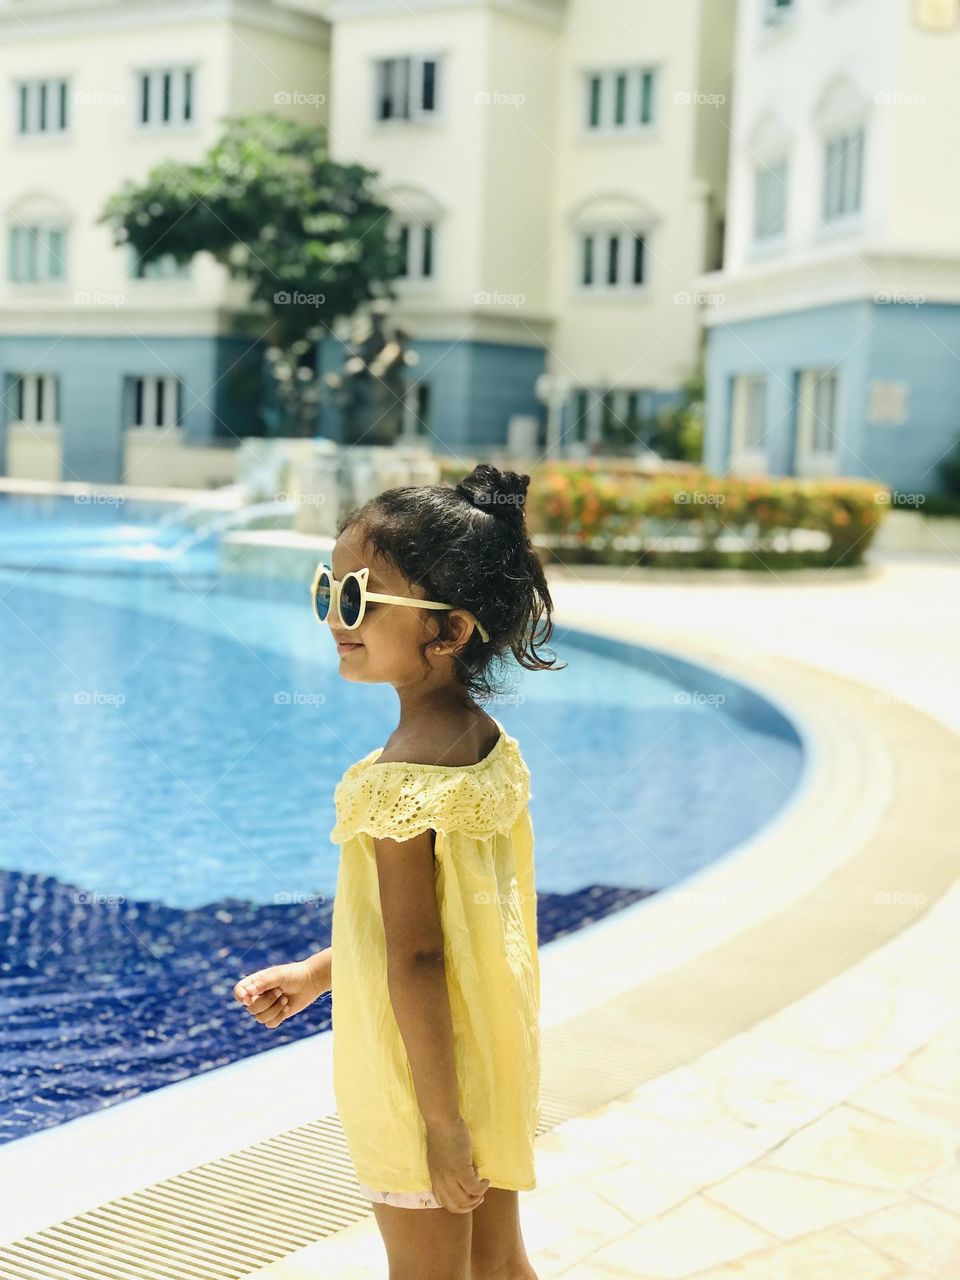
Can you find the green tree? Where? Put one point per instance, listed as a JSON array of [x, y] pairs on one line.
[[307, 234]]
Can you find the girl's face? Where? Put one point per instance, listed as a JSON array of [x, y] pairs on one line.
[[386, 644]]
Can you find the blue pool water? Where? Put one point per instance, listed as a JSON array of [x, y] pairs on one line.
[[170, 743]]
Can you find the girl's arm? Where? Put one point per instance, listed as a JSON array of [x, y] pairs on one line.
[[320, 968], [415, 972]]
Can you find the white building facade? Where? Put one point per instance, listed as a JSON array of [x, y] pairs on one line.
[[834, 349], [104, 365], [557, 175]]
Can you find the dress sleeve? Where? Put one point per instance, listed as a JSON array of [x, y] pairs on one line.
[[399, 801]]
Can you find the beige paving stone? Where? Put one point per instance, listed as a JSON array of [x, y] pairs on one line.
[[866, 1009], [795, 1204], [919, 1235], [577, 1206], [560, 1257], [849, 1145], [942, 1189], [826, 1255], [642, 1191], [562, 1156], [694, 1235], [932, 1110], [937, 1066], [702, 1153]]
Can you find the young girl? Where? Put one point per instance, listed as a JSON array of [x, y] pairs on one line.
[[436, 1044]]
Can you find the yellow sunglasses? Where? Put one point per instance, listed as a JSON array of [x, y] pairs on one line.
[[352, 596]]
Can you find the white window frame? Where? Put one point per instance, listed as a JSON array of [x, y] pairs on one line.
[[416, 112], [837, 175], [154, 78], [603, 233], [767, 180], [809, 456], [608, 77], [587, 429], [416, 419], [749, 397], [37, 396], [36, 88], [164, 269], [172, 401], [418, 233], [19, 254]]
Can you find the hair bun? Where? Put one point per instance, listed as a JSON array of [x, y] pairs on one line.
[[500, 493]]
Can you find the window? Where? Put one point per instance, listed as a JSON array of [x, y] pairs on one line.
[[416, 410], [35, 399], [42, 106], [817, 404], [165, 267], [842, 175], [617, 99], [770, 200], [407, 88], [416, 241], [619, 417], [37, 253], [612, 260], [749, 415], [156, 401], [776, 10], [165, 98]]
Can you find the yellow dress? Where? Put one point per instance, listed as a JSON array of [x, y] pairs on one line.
[[485, 891]]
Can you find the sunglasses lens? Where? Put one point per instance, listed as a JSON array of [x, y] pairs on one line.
[[323, 596], [350, 601]]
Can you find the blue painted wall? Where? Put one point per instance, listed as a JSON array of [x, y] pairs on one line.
[[219, 399], [866, 341], [475, 387]]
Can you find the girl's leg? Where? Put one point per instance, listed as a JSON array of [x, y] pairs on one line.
[[497, 1250], [425, 1244]]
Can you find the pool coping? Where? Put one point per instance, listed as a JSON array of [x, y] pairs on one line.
[[854, 736]]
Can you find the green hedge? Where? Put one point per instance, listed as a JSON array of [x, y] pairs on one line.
[[576, 510]]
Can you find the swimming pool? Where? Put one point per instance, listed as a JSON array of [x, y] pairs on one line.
[[169, 748]]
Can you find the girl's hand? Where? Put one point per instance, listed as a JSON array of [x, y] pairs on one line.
[[453, 1175], [279, 992]]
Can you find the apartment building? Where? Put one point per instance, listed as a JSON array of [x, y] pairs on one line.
[[107, 366], [834, 345], [556, 172]]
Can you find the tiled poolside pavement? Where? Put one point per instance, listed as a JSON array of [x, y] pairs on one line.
[[823, 1139]]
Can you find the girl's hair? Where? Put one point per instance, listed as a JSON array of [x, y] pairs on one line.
[[468, 546]]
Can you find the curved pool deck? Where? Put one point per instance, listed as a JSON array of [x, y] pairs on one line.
[[750, 1072]]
